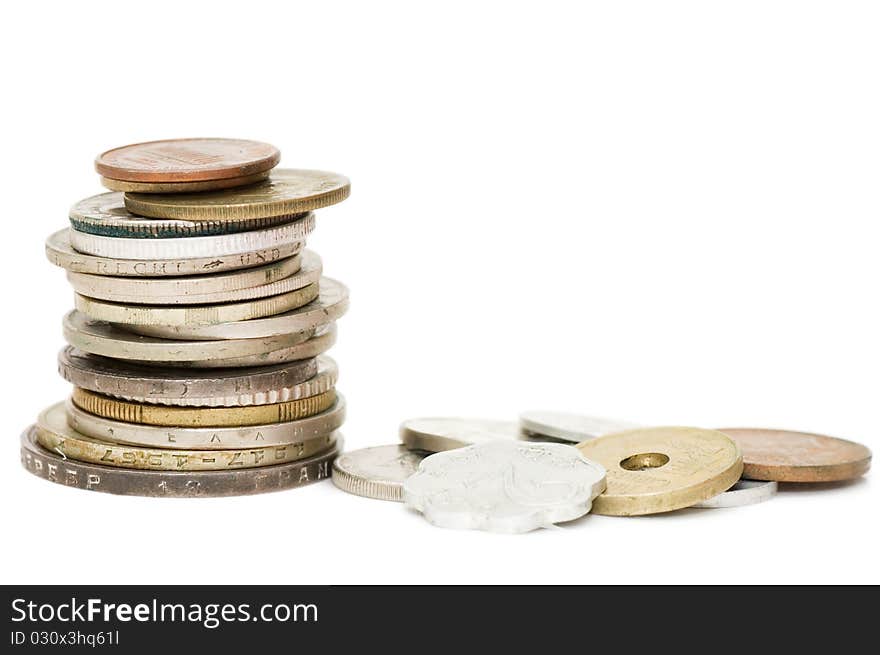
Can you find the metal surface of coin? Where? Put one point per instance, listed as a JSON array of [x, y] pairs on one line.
[[187, 160], [279, 278], [183, 187], [331, 304], [128, 314], [220, 438], [60, 252], [106, 215], [287, 191], [200, 417], [569, 427], [504, 486], [55, 435], [377, 472], [744, 492], [437, 434], [198, 388], [217, 245], [172, 484], [653, 470], [788, 456]]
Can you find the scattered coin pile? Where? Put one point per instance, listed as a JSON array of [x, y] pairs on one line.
[[553, 467], [196, 348]]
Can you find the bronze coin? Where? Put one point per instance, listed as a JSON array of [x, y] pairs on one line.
[[787, 456], [183, 187], [187, 160]]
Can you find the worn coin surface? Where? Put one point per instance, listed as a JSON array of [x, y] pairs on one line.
[[55, 435], [569, 427], [377, 472], [185, 387], [277, 278], [331, 304], [788, 456], [504, 486], [287, 191], [653, 470], [132, 482], [219, 438], [217, 245], [436, 434], [60, 252], [183, 187], [187, 160], [744, 492]]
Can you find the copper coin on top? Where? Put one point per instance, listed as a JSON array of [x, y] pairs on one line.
[[788, 456], [187, 160]]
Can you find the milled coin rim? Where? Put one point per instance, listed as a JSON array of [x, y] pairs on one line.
[[366, 487]]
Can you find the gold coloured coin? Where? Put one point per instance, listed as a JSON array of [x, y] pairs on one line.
[[197, 417], [653, 470], [183, 187]]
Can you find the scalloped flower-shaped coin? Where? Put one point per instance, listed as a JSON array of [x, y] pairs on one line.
[[504, 486]]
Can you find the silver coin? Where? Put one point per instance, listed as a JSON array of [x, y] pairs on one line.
[[437, 434], [377, 472], [744, 492], [504, 486], [568, 427]]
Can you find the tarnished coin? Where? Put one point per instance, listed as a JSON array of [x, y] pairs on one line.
[[436, 434], [187, 160], [61, 253], [173, 248], [744, 492], [272, 280], [55, 435], [788, 456], [504, 486], [653, 470], [287, 191], [569, 427], [219, 438], [240, 387], [331, 304], [377, 472], [183, 187], [106, 215], [195, 484]]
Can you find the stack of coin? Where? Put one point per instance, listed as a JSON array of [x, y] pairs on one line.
[[196, 348]]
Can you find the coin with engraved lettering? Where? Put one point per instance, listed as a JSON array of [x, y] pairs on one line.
[[653, 470], [789, 456], [436, 434], [55, 435], [60, 252], [287, 191], [569, 427], [504, 486], [331, 304], [172, 484], [187, 160], [183, 187], [377, 472], [744, 492], [241, 387], [278, 278], [219, 438]]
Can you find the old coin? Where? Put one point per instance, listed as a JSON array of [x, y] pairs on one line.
[[187, 160], [183, 187], [653, 470], [788, 456], [55, 435], [569, 427], [504, 486], [132, 482], [240, 387], [279, 277], [331, 304], [436, 434], [219, 438], [106, 215], [377, 472], [287, 191], [196, 417], [217, 245], [60, 252], [744, 492]]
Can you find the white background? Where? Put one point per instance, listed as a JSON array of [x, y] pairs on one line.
[[660, 212]]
